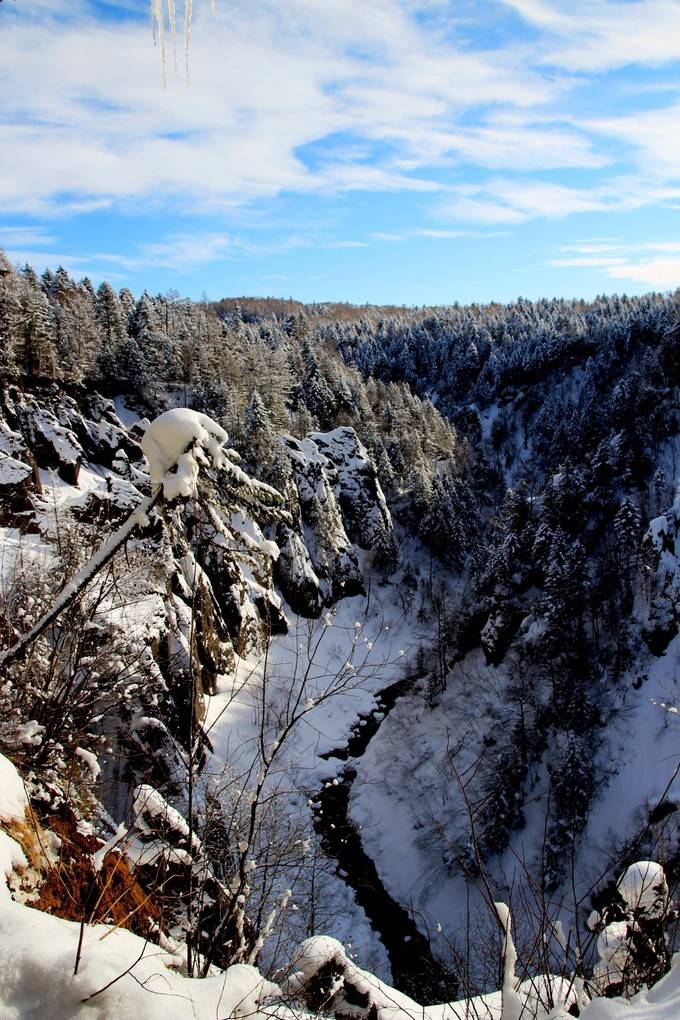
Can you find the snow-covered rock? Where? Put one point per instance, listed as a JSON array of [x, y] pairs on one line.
[[296, 575], [662, 616], [323, 529], [362, 501]]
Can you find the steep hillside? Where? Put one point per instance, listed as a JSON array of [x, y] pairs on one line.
[[412, 644]]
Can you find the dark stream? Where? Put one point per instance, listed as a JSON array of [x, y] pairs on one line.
[[415, 971]]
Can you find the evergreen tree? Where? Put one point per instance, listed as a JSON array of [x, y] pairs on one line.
[[36, 354], [316, 392], [10, 315], [111, 319], [259, 435], [157, 353]]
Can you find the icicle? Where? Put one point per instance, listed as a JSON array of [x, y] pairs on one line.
[[173, 33], [187, 35], [158, 24], [158, 21]]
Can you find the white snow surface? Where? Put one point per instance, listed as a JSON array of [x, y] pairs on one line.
[[12, 471], [662, 1002], [13, 800], [37, 954]]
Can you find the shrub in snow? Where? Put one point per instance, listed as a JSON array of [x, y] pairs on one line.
[[633, 951]]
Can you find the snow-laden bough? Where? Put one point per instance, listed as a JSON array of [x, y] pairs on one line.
[[176, 444]]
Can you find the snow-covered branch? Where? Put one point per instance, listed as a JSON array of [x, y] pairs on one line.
[[176, 444]]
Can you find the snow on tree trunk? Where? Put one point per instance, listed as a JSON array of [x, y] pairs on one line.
[[512, 1004]]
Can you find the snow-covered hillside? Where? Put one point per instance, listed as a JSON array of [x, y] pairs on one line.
[[374, 668]]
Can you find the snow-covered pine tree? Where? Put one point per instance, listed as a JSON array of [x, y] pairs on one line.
[[10, 313], [258, 435], [112, 323], [36, 353]]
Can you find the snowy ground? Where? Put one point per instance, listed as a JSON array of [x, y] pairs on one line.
[[405, 787], [404, 790], [337, 664], [121, 977]]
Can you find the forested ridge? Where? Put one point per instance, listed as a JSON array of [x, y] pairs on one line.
[[505, 474]]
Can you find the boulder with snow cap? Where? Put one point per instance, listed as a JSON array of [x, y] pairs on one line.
[[327, 980], [54, 445]]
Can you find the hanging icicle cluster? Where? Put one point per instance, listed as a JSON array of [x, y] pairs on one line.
[[158, 11]]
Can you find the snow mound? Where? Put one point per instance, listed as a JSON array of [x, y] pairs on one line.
[[120, 977], [179, 439], [644, 889], [314, 953], [662, 1002]]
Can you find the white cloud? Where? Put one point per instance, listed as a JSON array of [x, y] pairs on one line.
[[662, 273], [660, 268], [504, 200], [19, 236], [652, 134], [596, 35], [516, 200], [85, 121]]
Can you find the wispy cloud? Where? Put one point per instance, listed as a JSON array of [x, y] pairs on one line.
[[267, 81], [503, 200], [594, 35], [78, 265], [12, 237], [346, 244], [651, 263], [448, 234]]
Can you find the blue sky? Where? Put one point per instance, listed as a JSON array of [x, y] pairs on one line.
[[397, 151]]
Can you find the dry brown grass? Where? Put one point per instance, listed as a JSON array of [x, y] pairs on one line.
[[65, 883]]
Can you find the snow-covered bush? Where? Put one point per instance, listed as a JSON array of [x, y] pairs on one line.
[[633, 950]]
